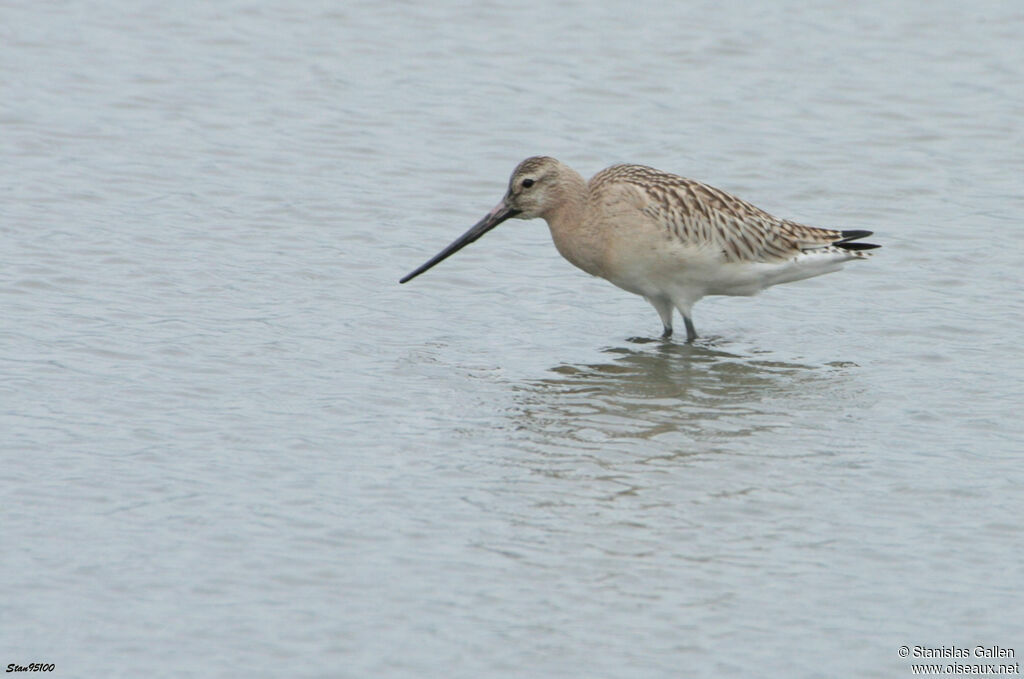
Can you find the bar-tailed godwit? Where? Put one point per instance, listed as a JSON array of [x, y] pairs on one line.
[[669, 239]]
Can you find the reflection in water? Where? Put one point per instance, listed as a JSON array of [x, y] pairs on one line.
[[692, 397]]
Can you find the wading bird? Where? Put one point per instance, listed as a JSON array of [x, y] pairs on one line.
[[666, 238]]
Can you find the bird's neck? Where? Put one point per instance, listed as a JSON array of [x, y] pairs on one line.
[[568, 224]]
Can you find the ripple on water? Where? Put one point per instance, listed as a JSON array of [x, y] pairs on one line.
[[694, 397]]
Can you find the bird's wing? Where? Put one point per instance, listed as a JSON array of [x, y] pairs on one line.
[[708, 218]]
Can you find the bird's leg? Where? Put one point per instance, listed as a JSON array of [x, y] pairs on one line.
[[664, 308], [685, 307], [691, 332]]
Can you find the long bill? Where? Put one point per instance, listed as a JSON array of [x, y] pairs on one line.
[[500, 213]]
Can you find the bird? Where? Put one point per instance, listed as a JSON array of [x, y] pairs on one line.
[[670, 239]]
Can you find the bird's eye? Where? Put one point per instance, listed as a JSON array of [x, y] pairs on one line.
[[527, 183]]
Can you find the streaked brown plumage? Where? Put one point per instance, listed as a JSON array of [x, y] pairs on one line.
[[670, 239]]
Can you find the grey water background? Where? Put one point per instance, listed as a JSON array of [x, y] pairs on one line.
[[232, 445]]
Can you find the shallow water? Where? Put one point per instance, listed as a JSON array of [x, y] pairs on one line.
[[233, 445]]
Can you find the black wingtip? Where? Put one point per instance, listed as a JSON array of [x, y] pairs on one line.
[[856, 246], [854, 235], [848, 237]]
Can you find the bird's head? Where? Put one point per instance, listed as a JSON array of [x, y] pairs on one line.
[[533, 191]]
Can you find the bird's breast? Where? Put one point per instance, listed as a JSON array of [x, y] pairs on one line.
[[582, 248]]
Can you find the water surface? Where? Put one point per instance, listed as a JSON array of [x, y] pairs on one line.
[[233, 445]]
